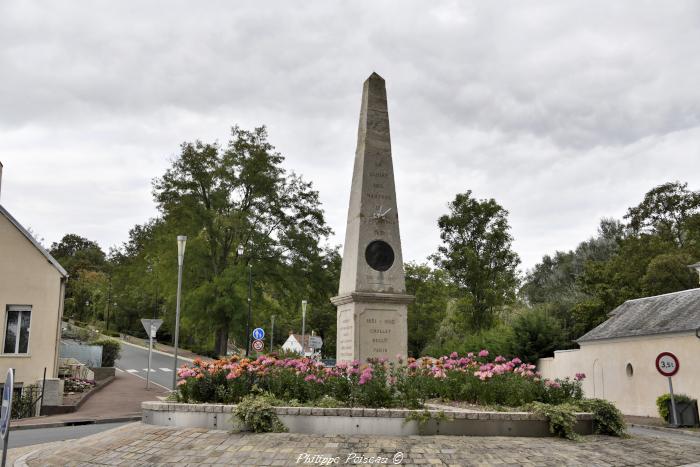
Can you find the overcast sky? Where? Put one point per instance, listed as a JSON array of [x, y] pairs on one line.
[[564, 112]]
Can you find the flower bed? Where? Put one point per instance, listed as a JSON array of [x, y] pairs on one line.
[[474, 378], [72, 385]]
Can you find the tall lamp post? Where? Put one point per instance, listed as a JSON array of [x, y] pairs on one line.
[[181, 241], [303, 327], [250, 292]]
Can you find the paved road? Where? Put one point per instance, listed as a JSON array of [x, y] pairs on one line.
[[19, 438], [679, 436], [135, 361]]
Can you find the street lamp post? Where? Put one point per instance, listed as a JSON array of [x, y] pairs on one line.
[[272, 334], [181, 241], [250, 299], [303, 327]]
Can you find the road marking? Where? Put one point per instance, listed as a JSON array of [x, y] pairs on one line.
[[132, 371], [166, 369], [119, 370], [146, 370]]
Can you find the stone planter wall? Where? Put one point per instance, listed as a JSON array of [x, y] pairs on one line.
[[353, 421]]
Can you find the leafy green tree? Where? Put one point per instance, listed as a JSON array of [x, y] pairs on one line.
[[238, 195], [477, 254], [432, 292], [87, 268], [664, 211], [536, 334]]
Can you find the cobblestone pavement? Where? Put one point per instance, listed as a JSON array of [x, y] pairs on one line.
[[144, 445]]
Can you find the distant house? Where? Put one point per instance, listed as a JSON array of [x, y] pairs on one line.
[[32, 286], [293, 344], [619, 356]]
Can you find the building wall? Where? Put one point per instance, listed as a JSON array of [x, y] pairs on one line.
[[605, 365], [27, 278]]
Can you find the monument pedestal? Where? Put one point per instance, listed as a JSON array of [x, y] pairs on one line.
[[371, 325]]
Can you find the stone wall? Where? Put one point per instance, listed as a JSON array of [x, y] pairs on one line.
[[348, 421]]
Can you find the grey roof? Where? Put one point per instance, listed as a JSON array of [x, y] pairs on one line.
[[672, 312], [36, 244]]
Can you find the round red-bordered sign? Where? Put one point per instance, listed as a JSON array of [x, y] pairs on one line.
[[667, 364], [258, 345]]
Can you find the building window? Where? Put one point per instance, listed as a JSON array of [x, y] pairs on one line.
[[629, 370], [17, 329]]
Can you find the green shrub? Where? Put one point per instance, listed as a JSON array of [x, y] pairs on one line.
[[562, 418], [258, 414], [536, 334], [111, 350], [663, 400], [607, 419]]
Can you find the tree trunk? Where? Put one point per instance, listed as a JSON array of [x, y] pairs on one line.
[[221, 343]]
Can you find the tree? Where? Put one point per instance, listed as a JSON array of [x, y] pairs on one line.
[[664, 211], [536, 335], [86, 265], [477, 254], [77, 253], [223, 198], [432, 292]]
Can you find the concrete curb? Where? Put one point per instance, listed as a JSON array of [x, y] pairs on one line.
[[666, 429], [79, 421]]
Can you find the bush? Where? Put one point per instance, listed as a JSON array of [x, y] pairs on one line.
[[111, 350], [663, 400], [536, 335], [257, 413], [607, 419], [562, 417]]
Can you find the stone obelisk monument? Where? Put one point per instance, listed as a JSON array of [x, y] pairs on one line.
[[372, 300]]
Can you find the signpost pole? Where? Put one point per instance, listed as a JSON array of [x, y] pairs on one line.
[[673, 402], [6, 412], [272, 334], [150, 351]]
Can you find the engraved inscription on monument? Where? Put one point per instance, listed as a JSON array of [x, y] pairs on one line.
[[372, 300]]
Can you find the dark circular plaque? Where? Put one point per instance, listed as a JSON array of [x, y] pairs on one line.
[[379, 255]]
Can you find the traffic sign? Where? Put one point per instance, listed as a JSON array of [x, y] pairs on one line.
[[315, 342], [258, 334], [151, 326], [667, 364], [258, 345]]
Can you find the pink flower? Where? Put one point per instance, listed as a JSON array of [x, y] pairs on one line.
[[552, 384], [484, 353], [580, 376], [517, 361], [454, 355], [499, 359]]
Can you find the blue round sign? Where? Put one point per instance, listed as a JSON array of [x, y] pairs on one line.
[[258, 334]]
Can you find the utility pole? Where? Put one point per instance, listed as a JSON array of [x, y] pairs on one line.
[[272, 334], [181, 242], [303, 327]]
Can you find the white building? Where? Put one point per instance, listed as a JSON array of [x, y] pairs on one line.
[[619, 356], [293, 344]]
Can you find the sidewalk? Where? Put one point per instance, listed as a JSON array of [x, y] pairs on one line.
[[137, 444], [119, 400]]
